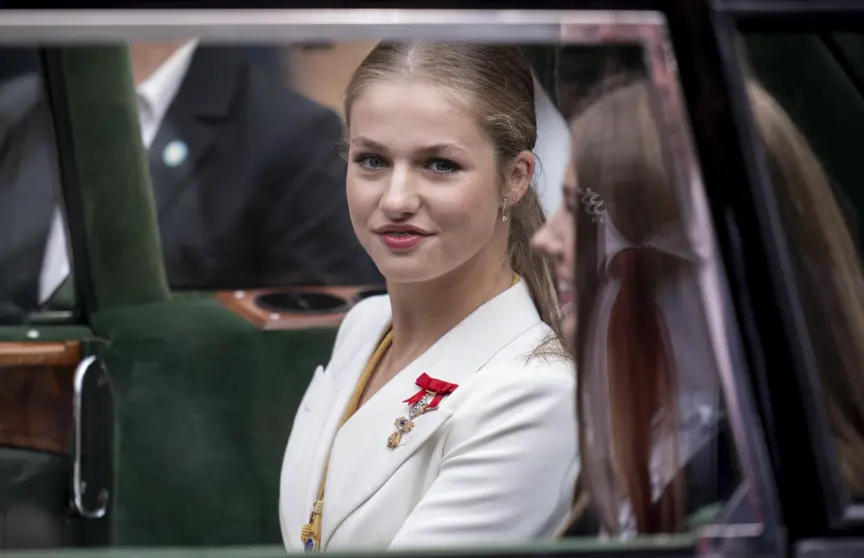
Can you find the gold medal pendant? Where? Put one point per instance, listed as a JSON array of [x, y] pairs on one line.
[[427, 399], [310, 533], [394, 439], [403, 426], [307, 537]]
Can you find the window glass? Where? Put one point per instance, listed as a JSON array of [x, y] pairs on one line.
[[34, 267], [654, 325], [245, 148], [807, 106]]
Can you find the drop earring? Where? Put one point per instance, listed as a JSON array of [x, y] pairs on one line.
[[504, 211]]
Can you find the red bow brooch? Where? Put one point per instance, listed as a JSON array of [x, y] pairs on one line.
[[432, 391]]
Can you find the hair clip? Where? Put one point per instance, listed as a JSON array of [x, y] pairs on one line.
[[593, 205]]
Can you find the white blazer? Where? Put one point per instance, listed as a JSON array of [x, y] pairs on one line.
[[496, 462]]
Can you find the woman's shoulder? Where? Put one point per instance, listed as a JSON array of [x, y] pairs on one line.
[[519, 390], [534, 362], [537, 349], [367, 316]]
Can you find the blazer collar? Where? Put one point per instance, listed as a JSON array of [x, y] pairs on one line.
[[454, 358]]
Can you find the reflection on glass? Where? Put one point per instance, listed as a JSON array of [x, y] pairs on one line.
[[655, 445], [32, 230], [247, 175], [816, 175]]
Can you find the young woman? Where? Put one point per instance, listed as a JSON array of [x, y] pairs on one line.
[[445, 415], [641, 338]]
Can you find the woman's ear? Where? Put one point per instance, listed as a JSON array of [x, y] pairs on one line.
[[519, 176]]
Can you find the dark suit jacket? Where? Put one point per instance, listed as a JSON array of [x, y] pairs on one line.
[[28, 193], [260, 199]]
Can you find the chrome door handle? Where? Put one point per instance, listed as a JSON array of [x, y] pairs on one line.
[[79, 485]]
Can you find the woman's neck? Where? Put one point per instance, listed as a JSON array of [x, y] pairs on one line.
[[425, 312]]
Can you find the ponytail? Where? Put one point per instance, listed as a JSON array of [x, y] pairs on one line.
[[535, 268]]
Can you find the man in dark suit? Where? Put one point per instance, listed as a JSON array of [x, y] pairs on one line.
[[248, 181]]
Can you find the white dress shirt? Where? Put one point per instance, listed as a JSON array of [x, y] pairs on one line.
[[155, 95], [552, 150]]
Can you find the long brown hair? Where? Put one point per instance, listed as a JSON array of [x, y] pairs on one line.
[[498, 81], [619, 154], [829, 277]]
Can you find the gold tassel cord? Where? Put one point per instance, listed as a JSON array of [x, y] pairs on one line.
[[310, 533]]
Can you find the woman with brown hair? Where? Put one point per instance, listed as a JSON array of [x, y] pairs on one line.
[[441, 195], [654, 447]]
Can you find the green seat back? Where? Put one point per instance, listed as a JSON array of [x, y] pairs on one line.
[[204, 401]]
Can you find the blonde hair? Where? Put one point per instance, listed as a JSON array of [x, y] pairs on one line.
[[498, 83]]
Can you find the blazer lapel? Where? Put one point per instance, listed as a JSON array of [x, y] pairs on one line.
[[361, 463], [190, 127], [345, 376]]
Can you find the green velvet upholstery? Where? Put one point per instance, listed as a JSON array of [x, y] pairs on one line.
[[205, 403], [112, 171], [806, 79]]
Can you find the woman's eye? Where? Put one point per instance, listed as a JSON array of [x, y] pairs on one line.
[[443, 166], [371, 162]]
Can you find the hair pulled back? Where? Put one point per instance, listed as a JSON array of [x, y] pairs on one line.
[[497, 83]]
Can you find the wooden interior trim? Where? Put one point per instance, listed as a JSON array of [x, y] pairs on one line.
[[36, 390], [36, 407], [38, 353], [243, 304]]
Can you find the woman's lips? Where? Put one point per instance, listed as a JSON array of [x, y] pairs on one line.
[[565, 297], [401, 242]]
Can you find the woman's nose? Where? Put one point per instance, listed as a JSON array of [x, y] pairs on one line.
[[400, 197], [545, 240]]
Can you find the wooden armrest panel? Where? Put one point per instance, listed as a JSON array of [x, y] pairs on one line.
[[36, 390]]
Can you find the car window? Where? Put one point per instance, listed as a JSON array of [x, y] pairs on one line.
[[244, 148], [806, 104]]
